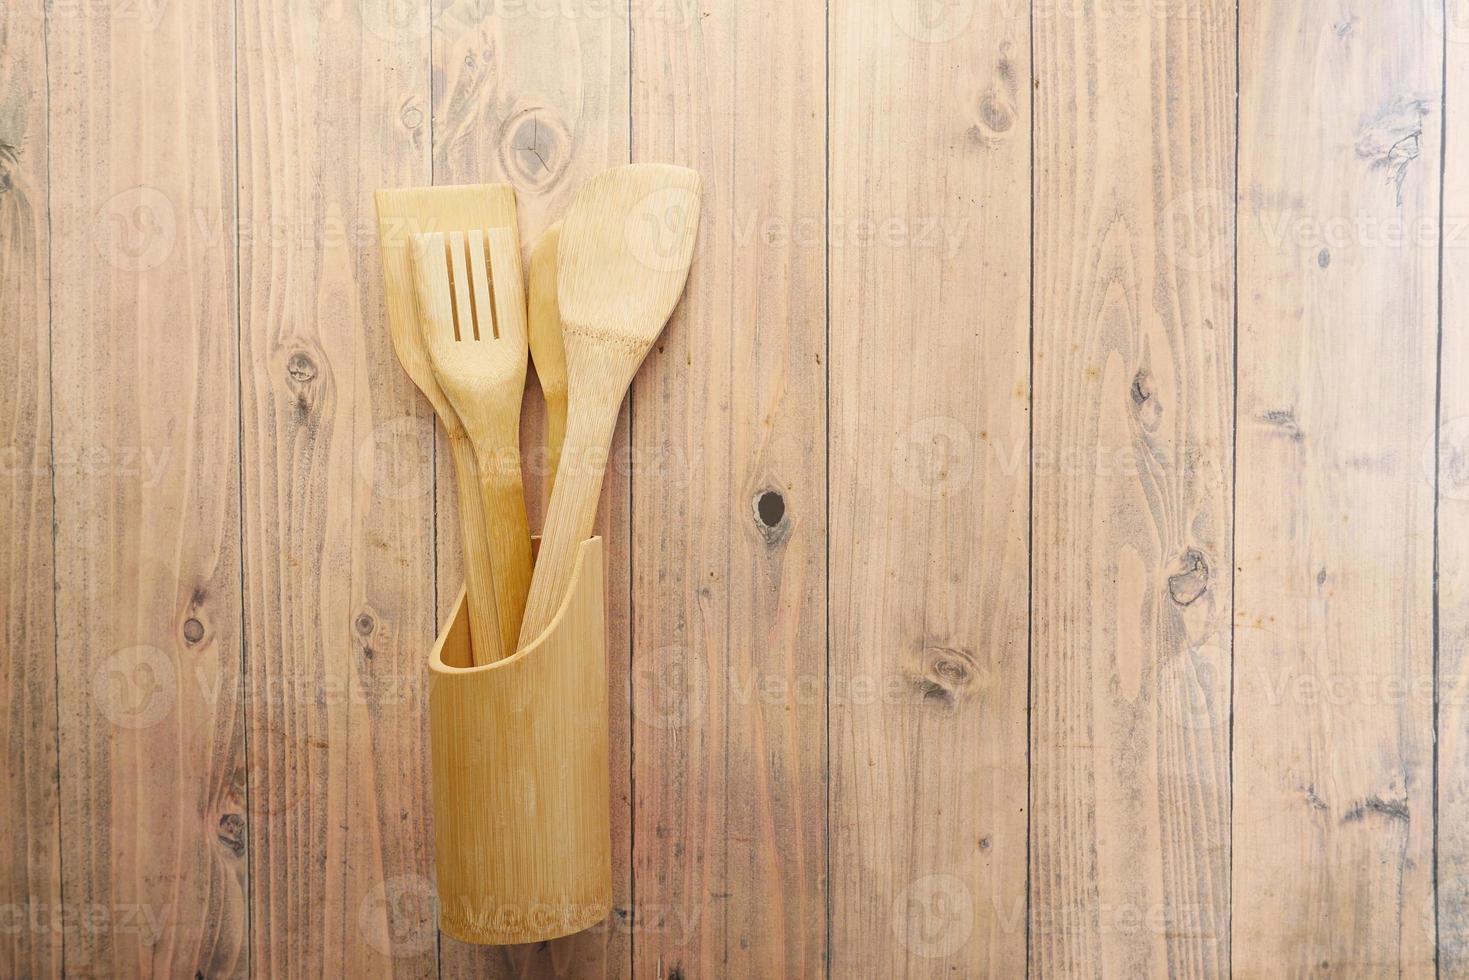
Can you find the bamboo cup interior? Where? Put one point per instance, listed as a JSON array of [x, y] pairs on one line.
[[452, 652]]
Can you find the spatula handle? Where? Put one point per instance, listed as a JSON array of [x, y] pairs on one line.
[[571, 513], [555, 435], [509, 529], [486, 641]]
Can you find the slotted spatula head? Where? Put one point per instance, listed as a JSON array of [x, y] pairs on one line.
[[624, 254], [403, 212], [471, 302]]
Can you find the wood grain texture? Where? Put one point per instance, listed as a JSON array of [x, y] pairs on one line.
[[147, 523], [1339, 154], [333, 104], [729, 634], [212, 680], [1451, 470], [930, 115], [537, 95], [1133, 354], [30, 869]]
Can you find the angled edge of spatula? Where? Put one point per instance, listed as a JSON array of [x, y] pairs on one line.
[[547, 349]]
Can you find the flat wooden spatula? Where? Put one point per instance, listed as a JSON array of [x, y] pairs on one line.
[[623, 259]]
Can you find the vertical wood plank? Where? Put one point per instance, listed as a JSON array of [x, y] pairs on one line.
[[1339, 175], [30, 872], [338, 495], [1134, 171], [929, 229], [147, 526], [536, 95], [1451, 470], [729, 504]]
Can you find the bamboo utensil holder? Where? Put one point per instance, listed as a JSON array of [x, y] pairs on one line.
[[520, 786]]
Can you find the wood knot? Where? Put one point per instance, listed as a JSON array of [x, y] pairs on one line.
[[411, 116], [364, 624], [1390, 809], [1145, 403], [307, 387], [232, 832], [1142, 386], [9, 159], [1191, 581], [534, 150], [1284, 420], [768, 508], [996, 113], [1005, 68], [996, 120], [301, 367], [1391, 140], [193, 631], [771, 507], [947, 675]]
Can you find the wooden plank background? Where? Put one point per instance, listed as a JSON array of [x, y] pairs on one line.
[[1132, 510], [1337, 352], [1036, 545]]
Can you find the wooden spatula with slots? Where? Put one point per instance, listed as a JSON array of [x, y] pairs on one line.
[[471, 302], [623, 259], [400, 213]]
